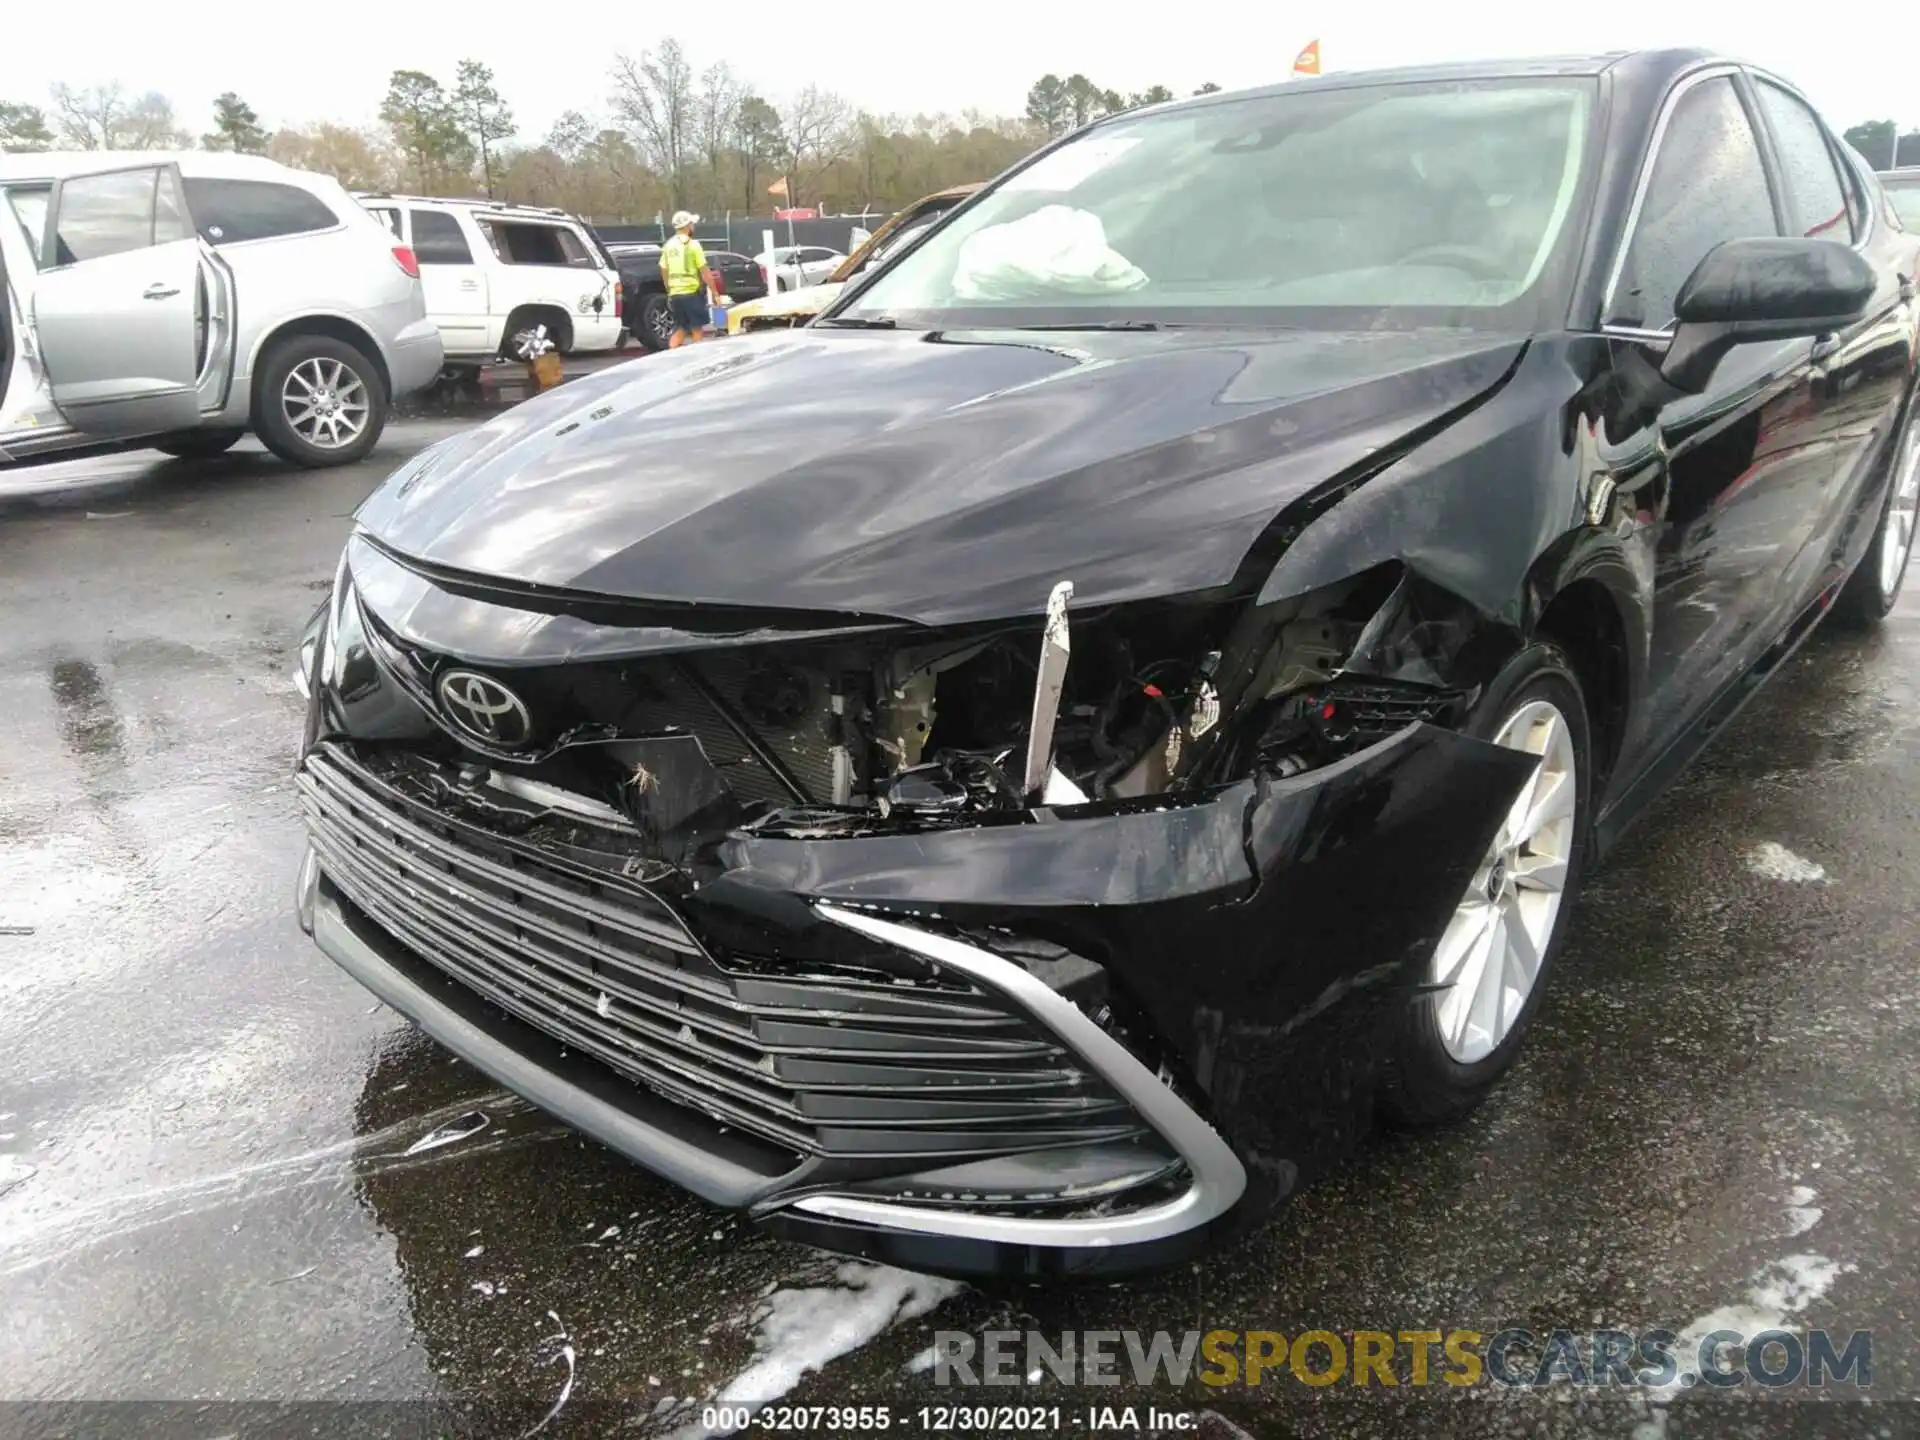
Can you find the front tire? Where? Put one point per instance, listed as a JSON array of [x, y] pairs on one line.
[[197, 444], [318, 402], [1462, 1028], [1874, 586]]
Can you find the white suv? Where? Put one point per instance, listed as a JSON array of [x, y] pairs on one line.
[[179, 300], [494, 272]]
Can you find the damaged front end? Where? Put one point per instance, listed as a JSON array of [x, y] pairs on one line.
[[1051, 945]]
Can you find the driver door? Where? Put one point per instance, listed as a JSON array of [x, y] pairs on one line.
[[118, 305]]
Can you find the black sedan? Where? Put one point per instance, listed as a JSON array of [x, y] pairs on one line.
[[1014, 777]]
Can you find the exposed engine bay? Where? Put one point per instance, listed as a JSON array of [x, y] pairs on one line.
[[870, 734]]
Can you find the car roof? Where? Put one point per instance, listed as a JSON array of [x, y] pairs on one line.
[[1648, 65], [59, 164]]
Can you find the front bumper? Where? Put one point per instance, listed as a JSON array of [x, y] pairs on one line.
[[1260, 937]]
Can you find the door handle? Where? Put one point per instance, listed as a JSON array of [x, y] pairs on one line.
[[160, 292], [1824, 345]]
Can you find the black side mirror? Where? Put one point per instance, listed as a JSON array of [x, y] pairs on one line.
[[1762, 288]]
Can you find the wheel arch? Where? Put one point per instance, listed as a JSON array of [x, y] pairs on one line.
[[557, 318], [1583, 595], [334, 327]]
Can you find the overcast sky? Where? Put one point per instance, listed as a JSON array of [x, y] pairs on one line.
[[296, 65]]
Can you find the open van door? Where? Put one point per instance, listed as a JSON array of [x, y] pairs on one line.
[[118, 305]]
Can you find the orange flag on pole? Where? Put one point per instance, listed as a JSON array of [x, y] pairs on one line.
[[1307, 62]]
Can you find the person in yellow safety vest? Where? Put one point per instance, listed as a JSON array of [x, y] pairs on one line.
[[683, 265]]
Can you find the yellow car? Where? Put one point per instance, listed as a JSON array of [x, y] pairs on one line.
[[797, 307]]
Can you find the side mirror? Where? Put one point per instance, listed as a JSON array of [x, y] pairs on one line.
[[1762, 288]]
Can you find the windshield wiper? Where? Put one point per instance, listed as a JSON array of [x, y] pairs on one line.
[[862, 322]]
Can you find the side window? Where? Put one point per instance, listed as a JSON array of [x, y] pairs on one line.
[[30, 209], [579, 255], [522, 244], [387, 217], [170, 220], [1818, 204], [102, 215], [227, 212], [437, 239], [1708, 185]]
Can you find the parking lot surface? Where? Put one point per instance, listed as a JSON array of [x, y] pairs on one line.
[[226, 1174]]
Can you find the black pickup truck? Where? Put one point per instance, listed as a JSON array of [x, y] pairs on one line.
[[644, 293]]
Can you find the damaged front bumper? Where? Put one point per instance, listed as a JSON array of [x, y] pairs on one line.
[[1086, 1040]]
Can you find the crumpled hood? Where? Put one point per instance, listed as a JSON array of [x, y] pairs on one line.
[[808, 300], [935, 478]]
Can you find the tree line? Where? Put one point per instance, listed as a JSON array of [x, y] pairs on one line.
[[1882, 144], [672, 134]]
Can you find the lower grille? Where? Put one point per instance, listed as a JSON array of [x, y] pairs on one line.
[[848, 1065]]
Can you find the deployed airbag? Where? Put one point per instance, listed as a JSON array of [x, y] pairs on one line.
[[1055, 249]]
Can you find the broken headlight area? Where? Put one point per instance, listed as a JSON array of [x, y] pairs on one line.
[[898, 731]]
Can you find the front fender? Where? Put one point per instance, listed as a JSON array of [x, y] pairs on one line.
[[1474, 509]]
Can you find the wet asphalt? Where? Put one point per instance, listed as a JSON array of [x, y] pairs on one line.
[[226, 1174]]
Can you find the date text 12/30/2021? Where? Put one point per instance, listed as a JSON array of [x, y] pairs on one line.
[[942, 1419]]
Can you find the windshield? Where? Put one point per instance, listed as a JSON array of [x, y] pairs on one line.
[[902, 238], [1420, 204], [1906, 203]]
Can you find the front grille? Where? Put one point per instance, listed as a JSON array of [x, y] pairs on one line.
[[654, 697], [850, 1064]]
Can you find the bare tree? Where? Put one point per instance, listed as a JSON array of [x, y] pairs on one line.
[[101, 117], [716, 109], [358, 159], [654, 98], [570, 135], [760, 141], [820, 133]]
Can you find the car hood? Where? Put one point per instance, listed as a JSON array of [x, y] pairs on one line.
[[808, 300], [932, 477]]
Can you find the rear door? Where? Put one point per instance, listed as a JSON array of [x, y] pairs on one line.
[[454, 283], [119, 306], [1859, 377]]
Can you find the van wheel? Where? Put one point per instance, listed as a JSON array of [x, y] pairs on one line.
[[653, 327], [197, 444], [522, 324], [318, 401], [1461, 1028]]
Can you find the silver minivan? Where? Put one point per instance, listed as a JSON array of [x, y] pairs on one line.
[[181, 300]]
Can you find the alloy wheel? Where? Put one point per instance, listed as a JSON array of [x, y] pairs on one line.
[[1896, 537], [325, 402], [1486, 963], [660, 317]]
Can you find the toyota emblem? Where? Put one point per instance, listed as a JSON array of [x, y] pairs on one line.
[[483, 708]]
